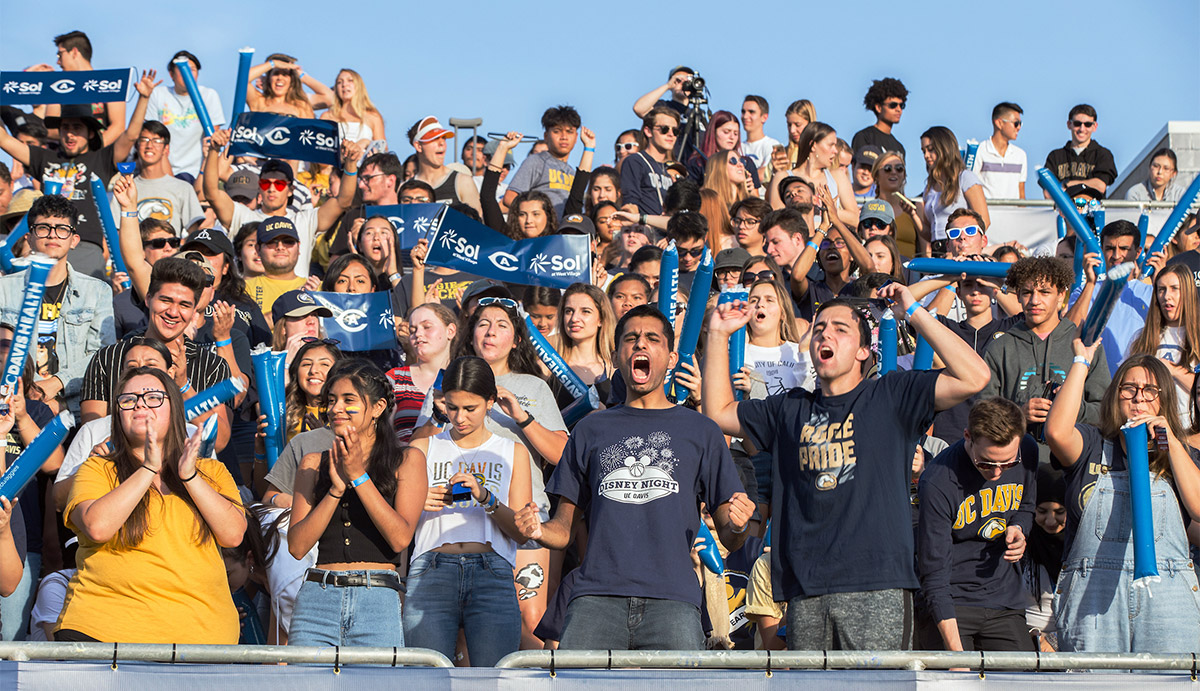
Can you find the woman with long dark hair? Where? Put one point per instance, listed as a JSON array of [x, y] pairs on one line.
[[151, 518], [353, 273], [359, 503], [465, 550], [950, 185], [817, 162], [1098, 607]]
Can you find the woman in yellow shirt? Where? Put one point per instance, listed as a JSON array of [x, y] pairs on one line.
[[151, 519]]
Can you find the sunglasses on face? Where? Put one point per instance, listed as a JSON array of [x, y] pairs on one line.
[[897, 167], [161, 243], [694, 252], [664, 129], [323, 341], [737, 161], [1080, 123], [627, 146], [969, 231], [507, 302], [285, 241], [1014, 123], [872, 224], [988, 465], [749, 278], [839, 244], [152, 399], [280, 185], [895, 105]]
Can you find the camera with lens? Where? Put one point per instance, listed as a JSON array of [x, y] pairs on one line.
[[694, 85]]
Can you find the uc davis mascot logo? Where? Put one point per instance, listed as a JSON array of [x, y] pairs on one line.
[[993, 528]]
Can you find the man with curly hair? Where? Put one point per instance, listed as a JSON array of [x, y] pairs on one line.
[[886, 98], [1030, 360]]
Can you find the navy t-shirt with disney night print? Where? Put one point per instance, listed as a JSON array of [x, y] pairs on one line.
[[842, 469], [639, 476]]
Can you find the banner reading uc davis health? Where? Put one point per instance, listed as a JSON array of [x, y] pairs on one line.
[[66, 88], [555, 261], [267, 135], [413, 222], [360, 321]]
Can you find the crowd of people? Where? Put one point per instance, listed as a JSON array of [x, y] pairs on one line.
[[446, 493]]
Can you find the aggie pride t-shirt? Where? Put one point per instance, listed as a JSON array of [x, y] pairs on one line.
[[841, 476], [638, 476]]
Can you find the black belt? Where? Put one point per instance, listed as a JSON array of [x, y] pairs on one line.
[[354, 580]]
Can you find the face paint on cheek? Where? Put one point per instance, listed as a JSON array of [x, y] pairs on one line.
[[353, 410]]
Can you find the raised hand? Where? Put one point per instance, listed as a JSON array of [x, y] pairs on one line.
[[125, 192], [146, 84], [587, 137], [219, 140], [728, 317], [191, 450]]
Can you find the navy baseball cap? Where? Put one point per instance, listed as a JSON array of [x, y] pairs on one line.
[[297, 303], [276, 226], [210, 239], [274, 165]]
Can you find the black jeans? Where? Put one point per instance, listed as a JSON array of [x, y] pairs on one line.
[[983, 628], [73, 636]]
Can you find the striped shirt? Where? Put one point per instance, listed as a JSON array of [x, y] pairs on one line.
[[408, 402], [204, 368]]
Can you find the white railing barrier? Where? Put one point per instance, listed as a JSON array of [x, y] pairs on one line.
[[844, 659], [222, 654]]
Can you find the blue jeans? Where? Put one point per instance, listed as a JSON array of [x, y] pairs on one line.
[[326, 615], [600, 622], [14, 609], [472, 591], [1096, 606]]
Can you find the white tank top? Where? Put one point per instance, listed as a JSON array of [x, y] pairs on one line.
[[355, 131], [492, 463]]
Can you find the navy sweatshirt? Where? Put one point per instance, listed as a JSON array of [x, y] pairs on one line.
[[961, 531]]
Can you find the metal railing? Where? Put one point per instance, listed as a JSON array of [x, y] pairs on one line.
[[222, 654], [844, 659], [1108, 203]]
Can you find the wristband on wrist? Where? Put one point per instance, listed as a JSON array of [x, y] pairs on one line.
[[271, 63], [815, 246], [734, 530], [302, 73], [186, 387], [361, 479], [528, 420], [911, 309], [395, 277], [642, 219], [591, 149], [224, 342], [349, 174], [193, 477], [129, 214], [1081, 360]]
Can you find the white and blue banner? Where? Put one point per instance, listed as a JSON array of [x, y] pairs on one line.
[[360, 321], [267, 135], [413, 222], [66, 88], [555, 261]]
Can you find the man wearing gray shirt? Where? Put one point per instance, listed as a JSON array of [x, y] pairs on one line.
[[160, 194], [548, 172]]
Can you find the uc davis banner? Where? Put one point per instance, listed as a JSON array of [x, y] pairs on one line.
[[555, 261], [361, 321], [267, 135], [67, 88], [413, 222]]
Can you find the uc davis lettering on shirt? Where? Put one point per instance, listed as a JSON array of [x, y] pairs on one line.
[[638, 470], [828, 445], [999, 499]]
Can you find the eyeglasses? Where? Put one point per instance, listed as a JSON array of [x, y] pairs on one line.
[[872, 223], [42, 230], [895, 105], [838, 243], [969, 231], [280, 185], [749, 278], [694, 252], [152, 399], [1014, 123], [507, 302], [367, 178], [157, 141], [160, 243], [1129, 392], [889, 168], [415, 200], [664, 129], [1082, 123], [626, 146], [738, 222]]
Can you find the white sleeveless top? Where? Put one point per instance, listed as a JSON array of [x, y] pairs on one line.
[[492, 464], [355, 131]]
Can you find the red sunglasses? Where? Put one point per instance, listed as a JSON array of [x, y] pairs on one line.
[[280, 185]]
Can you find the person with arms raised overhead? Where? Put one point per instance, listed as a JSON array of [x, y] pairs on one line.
[[842, 555], [637, 472], [549, 172]]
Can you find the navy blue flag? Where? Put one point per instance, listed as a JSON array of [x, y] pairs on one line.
[[361, 321], [67, 88], [267, 135], [413, 222], [555, 261]]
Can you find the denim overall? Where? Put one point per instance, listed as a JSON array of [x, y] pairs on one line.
[[1096, 606]]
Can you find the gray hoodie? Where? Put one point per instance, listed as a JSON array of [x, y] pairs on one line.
[[1022, 363]]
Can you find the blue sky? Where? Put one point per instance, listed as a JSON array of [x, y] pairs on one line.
[[1137, 63]]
